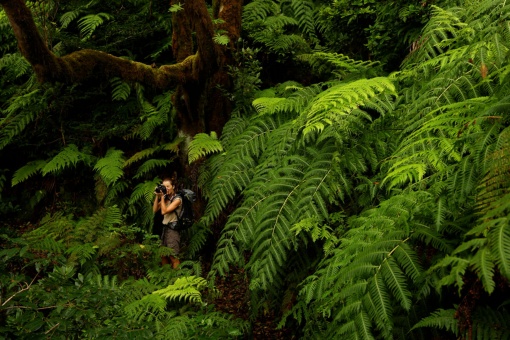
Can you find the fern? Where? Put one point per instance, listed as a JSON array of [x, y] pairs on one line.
[[304, 11], [121, 90], [14, 66], [89, 23], [443, 319], [258, 10], [19, 115], [81, 253], [150, 308], [69, 156], [91, 228], [69, 17], [202, 145], [339, 65], [143, 191], [335, 104], [109, 168], [184, 289], [27, 171], [152, 116], [221, 39], [148, 166]]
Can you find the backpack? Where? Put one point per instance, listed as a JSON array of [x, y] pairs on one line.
[[186, 217]]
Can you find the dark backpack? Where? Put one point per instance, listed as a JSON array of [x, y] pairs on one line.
[[186, 217]]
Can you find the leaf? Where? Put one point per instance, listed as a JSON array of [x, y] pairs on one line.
[[110, 167]]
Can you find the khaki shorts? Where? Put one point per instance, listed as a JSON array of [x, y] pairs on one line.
[[171, 239]]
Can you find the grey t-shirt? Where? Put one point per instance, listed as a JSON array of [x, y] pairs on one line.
[[171, 216]]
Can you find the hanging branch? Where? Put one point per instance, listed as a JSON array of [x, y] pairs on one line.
[[84, 64]]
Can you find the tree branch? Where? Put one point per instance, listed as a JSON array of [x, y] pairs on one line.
[[85, 64]]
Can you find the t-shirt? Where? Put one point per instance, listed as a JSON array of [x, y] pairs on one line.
[[171, 216]]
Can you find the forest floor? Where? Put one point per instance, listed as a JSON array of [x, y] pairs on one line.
[[234, 299]]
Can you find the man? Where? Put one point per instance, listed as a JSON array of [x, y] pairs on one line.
[[169, 204]]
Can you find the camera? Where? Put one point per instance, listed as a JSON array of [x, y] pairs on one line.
[[161, 188]]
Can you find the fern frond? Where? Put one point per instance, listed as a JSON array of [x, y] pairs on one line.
[[304, 12], [89, 229], [221, 39], [120, 89], [499, 236], [143, 154], [68, 157], [490, 323], [185, 289], [148, 166], [396, 281], [110, 166], [334, 105], [69, 17], [14, 66], [150, 308], [48, 244], [233, 128], [258, 10], [27, 171], [19, 116], [442, 319], [203, 145], [143, 192], [293, 104], [484, 265], [81, 253], [337, 64], [89, 23]]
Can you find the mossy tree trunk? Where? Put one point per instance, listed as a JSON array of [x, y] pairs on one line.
[[201, 64]]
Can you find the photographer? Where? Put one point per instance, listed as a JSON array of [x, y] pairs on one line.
[[168, 203]]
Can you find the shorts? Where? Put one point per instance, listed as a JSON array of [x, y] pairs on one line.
[[171, 239]]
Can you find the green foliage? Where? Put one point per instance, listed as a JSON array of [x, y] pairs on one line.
[[69, 156], [89, 23], [358, 206], [417, 161], [184, 289], [267, 25], [121, 90], [109, 168], [202, 145]]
